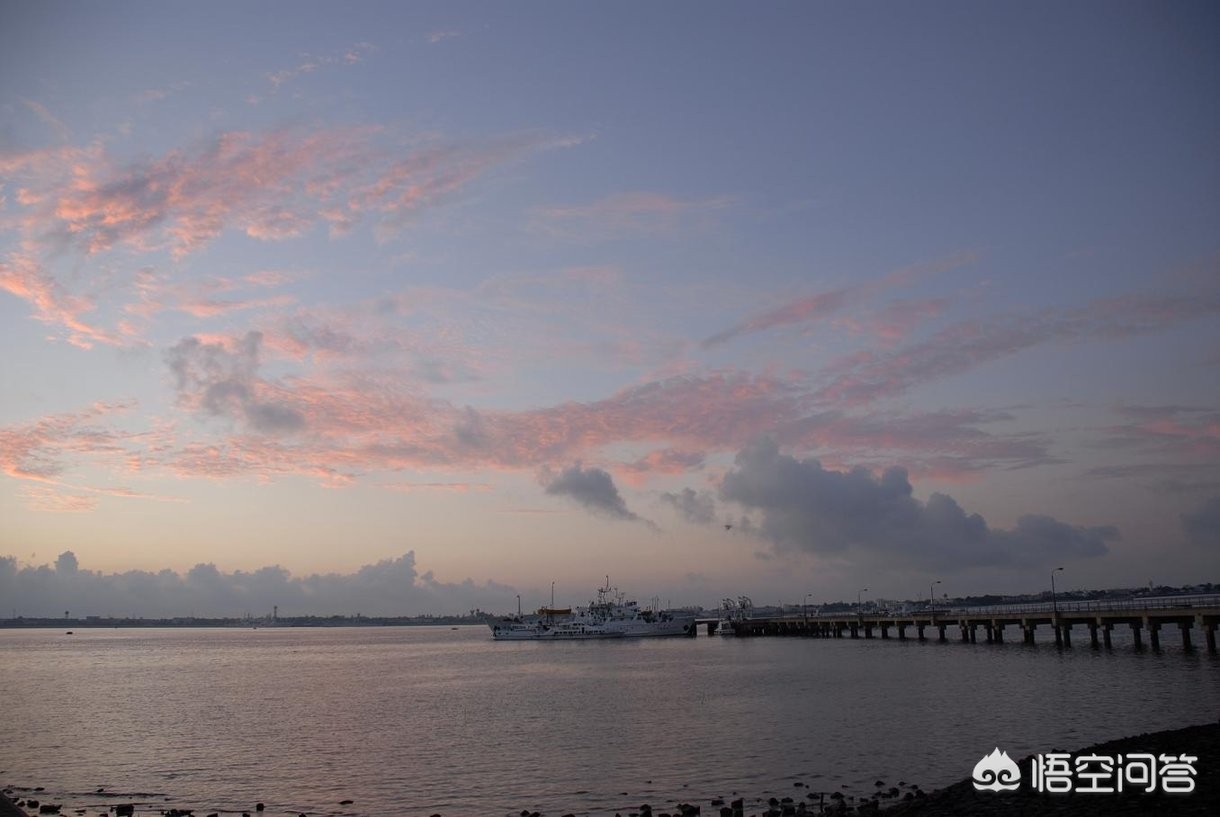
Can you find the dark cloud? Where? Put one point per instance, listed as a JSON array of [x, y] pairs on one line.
[[807, 507], [223, 382], [592, 488], [388, 588], [1202, 525], [698, 507]]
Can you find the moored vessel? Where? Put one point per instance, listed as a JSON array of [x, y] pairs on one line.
[[616, 613]]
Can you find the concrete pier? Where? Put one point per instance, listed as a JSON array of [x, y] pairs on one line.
[[1200, 614]]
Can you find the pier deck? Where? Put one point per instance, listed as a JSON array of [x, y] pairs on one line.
[[989, 624]]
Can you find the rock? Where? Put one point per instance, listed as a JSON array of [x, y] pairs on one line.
[[259, 807], [31, 804], [346, 802], [47, 808], [125, 810]]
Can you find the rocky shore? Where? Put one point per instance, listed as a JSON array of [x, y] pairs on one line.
[[905, 800]]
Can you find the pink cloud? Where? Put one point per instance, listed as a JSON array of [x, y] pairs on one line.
[[310, 64], [665, 461], [1178, 431], [862, 378], [451, 487], [25, 278], [947, 445], [624, 214], [43, 498], [823, 305]]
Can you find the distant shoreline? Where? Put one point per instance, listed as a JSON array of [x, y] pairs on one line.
[[95, 623], [962, 800]]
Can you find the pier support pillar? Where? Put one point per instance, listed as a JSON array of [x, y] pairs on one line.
[[1028, 627], [919, 632], [1093, 642], [1136, 635], [941, 628], [885, 629], [868, 631], [855, 630], [965, 634], [1154, 633], [1209, 633], [998, 628], [1067, 634], [902, 631], [1185, 627], [1106, 627]]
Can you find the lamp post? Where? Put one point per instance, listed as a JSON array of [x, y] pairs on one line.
[[518, 605], [805, 607], [858, 592], [552, 595], [932, 597], [1054, 598]]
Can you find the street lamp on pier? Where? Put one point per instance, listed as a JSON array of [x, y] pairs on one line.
[[859, 611], [1054, 598], [805, 607], [932, 597]]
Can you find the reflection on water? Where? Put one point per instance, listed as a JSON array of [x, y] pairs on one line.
[[422, 720]]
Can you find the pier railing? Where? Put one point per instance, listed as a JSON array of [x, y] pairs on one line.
[[1133, 604]]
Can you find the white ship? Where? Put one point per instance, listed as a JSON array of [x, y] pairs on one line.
[[613, 611], [546, 627], [611, 616], [524, 628]]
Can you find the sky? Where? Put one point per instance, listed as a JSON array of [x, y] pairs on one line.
[[395, 308]]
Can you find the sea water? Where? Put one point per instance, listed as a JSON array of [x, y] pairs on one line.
[[424, 720]]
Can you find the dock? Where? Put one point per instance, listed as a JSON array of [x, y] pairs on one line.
[[992, 624]]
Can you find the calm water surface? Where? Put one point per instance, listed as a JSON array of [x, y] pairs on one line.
[[417, 720]]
